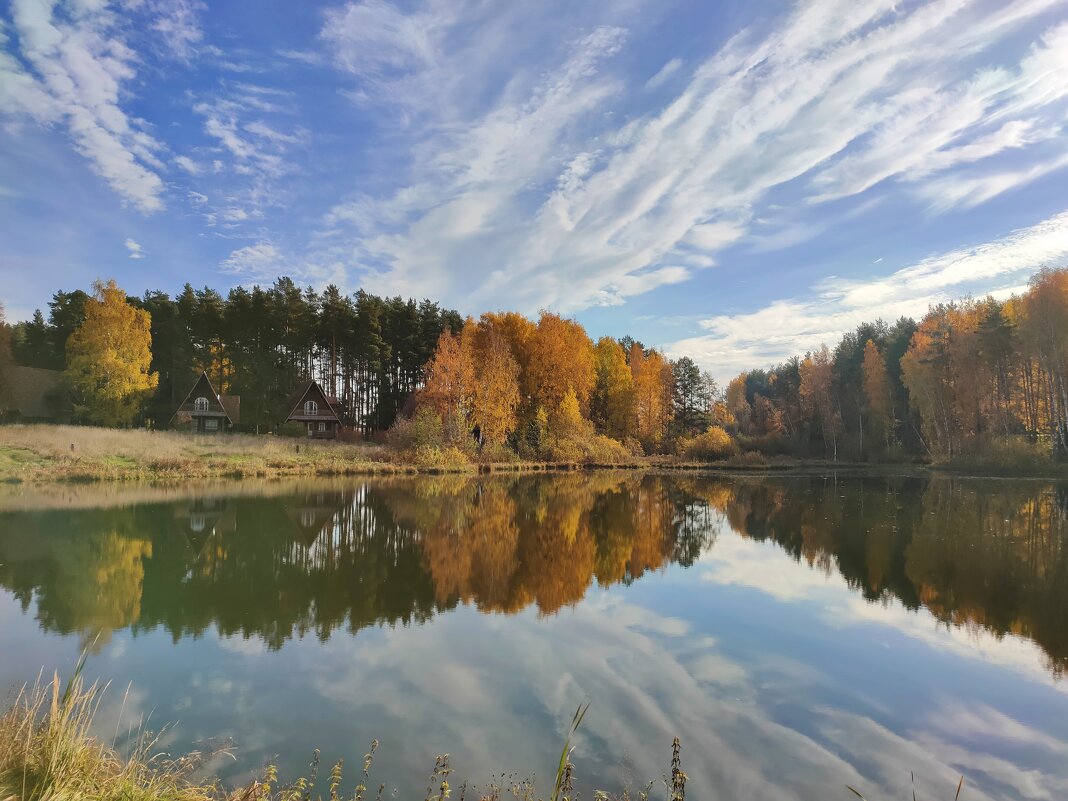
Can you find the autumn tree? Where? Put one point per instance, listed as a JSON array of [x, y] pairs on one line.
[[652, 397], [738, 404], [612, 403], [108, 358], [817, 397], [494, 390], [1046, 332], [560, 359], [878, 401], [449, 377]]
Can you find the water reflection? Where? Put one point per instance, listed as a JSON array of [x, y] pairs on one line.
[[390, 552]]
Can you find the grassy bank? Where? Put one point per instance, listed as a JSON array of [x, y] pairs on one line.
[[48, 753], [40, 453]]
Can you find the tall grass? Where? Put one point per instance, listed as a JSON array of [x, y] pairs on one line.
[[48, 752]]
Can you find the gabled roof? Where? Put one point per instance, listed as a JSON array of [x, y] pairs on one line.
[[297, 399], [232, 406], [206, 390]]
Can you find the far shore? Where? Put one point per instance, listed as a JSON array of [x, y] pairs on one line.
[[72, 454]]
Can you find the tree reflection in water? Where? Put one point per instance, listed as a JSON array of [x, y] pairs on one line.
[[988, 555]]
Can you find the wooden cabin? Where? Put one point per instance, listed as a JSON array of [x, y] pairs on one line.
[[205, 411], [320, 415]]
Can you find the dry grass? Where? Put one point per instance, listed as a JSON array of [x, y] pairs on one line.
[[42, 453], [72, 453], [48, 753]]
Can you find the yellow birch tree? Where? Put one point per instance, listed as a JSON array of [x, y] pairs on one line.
[[108, 358]]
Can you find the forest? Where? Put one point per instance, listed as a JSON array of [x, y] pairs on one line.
[[971, 380]]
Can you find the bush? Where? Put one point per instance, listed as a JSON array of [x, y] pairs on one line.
[[587, 448], [775, 444], [442, 458], [497, 453], [1012, 454], [423, 429], [749, 459], [714, 444]]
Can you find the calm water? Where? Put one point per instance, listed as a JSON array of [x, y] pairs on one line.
[[797, 633]]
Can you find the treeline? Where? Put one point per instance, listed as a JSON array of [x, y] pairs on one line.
[[545, 390], [260, 343], [539, 387], [973, 379]]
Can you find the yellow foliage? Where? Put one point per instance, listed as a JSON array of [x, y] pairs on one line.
[[108, 358]]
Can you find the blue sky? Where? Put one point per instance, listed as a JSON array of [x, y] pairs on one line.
[[732, 181]]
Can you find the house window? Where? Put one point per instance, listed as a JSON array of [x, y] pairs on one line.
[[322, 426], [200, 404], [311, 407], [211, 424]]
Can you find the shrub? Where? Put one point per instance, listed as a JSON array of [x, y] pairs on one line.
[[749, 459], [423, 429], [715, 443], [1013, 454], [770, 444], [497, 452]]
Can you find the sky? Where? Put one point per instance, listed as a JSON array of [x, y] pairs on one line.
[[733, 181]]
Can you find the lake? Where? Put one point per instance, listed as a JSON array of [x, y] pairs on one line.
[[797, 633]]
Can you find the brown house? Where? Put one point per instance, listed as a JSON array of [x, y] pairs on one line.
[[205, 411], [34, 395], [320, 415]]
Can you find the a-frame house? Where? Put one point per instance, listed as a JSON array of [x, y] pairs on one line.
[[205, 411], [320, 414]]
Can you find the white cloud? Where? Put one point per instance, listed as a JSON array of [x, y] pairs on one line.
[[78, 66], [178, 23], [187, 164], [262, 260], [790, 326], [135, 249], [664, 73], [546, 196]]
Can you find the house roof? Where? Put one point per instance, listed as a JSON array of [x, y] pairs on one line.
[[32, 392], [232, 406], [210, 393], [297, 397]]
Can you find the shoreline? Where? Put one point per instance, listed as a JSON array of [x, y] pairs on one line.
[[72, 455]]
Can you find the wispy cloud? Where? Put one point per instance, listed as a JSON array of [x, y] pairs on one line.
[[545, 194], [261, 261], [664, 73], [177, 22], [791, 326], [74, 69], [135, 249]]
